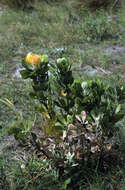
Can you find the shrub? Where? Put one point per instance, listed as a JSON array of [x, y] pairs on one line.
[[95, 4], [22, 4], [80, 116]]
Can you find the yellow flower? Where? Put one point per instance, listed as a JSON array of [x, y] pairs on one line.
[[63, 93], [46, 115], [33, 59]]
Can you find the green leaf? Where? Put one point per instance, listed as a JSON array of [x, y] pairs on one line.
[[61, 119], [118, 109], [27, 66], [41, 109], [66, 182], [58, 124], [88, 39], [25, 74]]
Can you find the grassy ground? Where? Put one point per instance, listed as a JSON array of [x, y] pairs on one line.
[[86, 36]]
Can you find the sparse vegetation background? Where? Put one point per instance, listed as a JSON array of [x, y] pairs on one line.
[[62, 95]]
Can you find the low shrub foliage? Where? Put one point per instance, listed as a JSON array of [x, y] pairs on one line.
[[96, 4], [21, 4], [80, 117]]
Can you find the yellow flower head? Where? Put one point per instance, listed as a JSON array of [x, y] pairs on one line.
[[32, 59], [46, 115], [63, 93]]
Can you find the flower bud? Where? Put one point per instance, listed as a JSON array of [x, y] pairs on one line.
[[44, 58], [63, 64]]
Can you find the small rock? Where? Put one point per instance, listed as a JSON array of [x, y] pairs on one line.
[[114, 49], [17, 73]]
